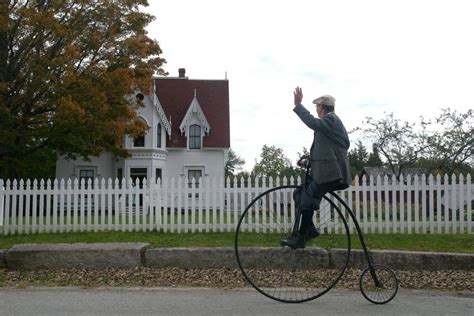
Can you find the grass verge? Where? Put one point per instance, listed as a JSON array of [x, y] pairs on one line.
[[436, 243]]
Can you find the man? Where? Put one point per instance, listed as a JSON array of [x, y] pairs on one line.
[[330, 169]]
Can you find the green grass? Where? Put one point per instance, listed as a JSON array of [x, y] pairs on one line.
[[436, 243]]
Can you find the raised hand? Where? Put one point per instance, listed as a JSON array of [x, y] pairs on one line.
[[298, 94]]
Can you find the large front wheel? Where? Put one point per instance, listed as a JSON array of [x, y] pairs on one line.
[[282, 273]]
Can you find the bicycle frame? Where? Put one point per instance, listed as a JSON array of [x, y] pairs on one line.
[[361, 237], [354, 219]]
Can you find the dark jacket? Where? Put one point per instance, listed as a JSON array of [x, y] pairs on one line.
[[328, 154]]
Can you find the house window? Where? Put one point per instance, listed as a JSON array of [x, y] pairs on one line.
[[194, 174], [138, 173], [120, 173], [158, 136], [139, 141], [86, 174], [195, 137], [157, 174]]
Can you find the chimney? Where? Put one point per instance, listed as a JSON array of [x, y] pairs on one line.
[[182, 72]]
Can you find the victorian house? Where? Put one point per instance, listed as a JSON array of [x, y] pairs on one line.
[[188, 135]]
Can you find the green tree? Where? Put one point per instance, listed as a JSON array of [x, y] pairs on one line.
[[234, 163], [396, 140], [358, 158], [273, 162], [448, 142], [374, 159], [66, 70]]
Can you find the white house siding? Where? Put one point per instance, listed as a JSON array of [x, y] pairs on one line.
[[212, 162], [103, 167]]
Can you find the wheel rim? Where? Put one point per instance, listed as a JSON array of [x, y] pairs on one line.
[[281, 273], [383, 291]]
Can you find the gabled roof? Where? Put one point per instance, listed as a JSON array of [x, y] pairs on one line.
[[194, 111], [177, 94], [161, 113], [382, 171], [376, 171]]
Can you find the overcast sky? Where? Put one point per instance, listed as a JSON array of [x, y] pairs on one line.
[[409, 57]]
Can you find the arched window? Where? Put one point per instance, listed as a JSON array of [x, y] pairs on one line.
[[139, 141], [195, 137], [158, 136]]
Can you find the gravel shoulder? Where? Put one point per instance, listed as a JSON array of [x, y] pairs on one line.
[[451, 280]]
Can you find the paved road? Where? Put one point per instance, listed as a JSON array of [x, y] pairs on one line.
[[198, 301]]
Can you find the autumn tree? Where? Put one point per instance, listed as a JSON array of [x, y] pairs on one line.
[[66, 69]]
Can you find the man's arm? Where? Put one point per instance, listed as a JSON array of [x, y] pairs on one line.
[[316, 124]]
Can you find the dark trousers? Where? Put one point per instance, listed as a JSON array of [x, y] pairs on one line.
[[309, 197]]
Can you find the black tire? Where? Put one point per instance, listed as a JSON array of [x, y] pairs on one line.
[[383, 289], [281, 273]]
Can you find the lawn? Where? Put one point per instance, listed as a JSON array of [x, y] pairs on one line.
[[411, 242]]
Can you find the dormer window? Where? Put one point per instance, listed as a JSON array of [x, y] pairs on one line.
[[195, 137], [194, 124]]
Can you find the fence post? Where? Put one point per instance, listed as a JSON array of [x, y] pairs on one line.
[[68, 205], [256, 208], [117, 189], [395, 185], [166, 202], [172, 205], [179, 208], [214, 203], [364, 203], [409, 205], [21, 193], [379, 203], [402, 204], [446, 204], [144, 204], [2, 206], [453, 204], [28, 196], [372, 203], [461, 203], [207, 203], [438, 203], [423, 203], [8, 208], [431, 202], [469, 203]]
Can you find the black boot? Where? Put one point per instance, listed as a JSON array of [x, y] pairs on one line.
[[294, 242], [311, 233]]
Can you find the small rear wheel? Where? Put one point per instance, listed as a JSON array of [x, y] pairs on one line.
[[378, 284], [285, 274]]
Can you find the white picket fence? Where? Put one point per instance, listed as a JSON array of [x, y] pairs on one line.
[[434, 204]]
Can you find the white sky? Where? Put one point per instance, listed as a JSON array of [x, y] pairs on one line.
[[408, 57]]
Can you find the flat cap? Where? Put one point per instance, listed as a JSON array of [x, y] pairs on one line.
[[325, 100]]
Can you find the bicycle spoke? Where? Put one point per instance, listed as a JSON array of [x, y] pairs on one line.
[[279, 272], [387, 286]]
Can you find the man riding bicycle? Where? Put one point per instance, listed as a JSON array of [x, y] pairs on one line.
[[330, 169]]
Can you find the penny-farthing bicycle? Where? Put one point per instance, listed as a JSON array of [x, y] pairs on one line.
[[300, 275]]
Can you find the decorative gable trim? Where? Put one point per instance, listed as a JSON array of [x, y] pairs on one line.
[[161, 112], [194, 111]]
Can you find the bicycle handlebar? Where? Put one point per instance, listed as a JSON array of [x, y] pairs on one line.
[[305, 159]]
